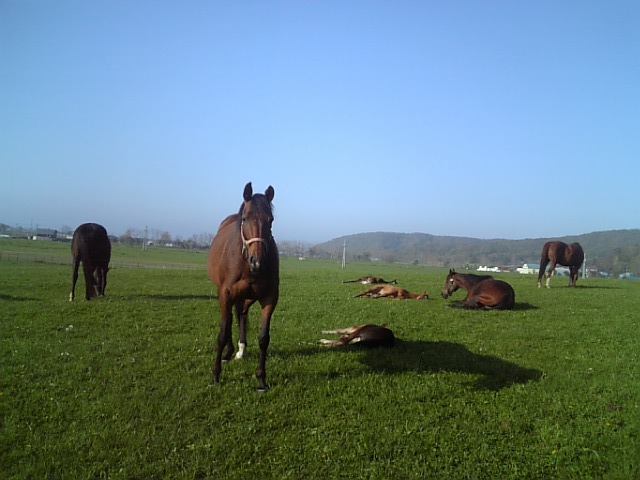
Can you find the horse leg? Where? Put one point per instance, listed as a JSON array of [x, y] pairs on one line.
[[552, 268], [224, 335], [101, 280], [342, 331], [90, 283], [228, 348], [573, 272], [471, 303], [543, 266], [263, 342], [242, 325], [74, 278]]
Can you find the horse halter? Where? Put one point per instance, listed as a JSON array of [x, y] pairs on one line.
[[245, 242]]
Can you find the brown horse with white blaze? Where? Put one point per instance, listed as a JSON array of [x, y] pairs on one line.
[[560, 253], [243, 263], [91, 246], [483, 291]]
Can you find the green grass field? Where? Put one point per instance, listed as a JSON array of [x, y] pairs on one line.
[[120, 387]]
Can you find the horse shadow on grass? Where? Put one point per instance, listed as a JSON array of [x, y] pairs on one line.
[[434, 357], [517, 306], [148, 296], [424, 356], [13, 298]]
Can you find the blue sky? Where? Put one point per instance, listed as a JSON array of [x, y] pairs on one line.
[[485, 119]]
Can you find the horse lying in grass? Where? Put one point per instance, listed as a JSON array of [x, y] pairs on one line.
[[369, 280], [483, 291], [370, 336], [390, 291]]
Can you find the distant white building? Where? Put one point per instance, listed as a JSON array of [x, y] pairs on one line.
[[534, 268], [529, 269], [488, 269]]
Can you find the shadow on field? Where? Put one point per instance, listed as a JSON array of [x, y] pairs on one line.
[[595, 287], [17, 299], [517, 306], [524, 306], [422, 356], [170, 297]]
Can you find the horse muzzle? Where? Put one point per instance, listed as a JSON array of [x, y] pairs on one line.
[[253, 259], [445, 293], [254, 263]]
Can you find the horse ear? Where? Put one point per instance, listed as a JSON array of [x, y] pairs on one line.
[[270, 193], [248, 192]]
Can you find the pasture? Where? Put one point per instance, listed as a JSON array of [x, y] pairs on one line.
[[120, 387]]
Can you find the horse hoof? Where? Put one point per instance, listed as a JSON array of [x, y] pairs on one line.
[[262, 389]]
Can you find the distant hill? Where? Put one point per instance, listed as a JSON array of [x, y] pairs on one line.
[[458, 251]]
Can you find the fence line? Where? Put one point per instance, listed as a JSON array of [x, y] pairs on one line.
[[66, 260]]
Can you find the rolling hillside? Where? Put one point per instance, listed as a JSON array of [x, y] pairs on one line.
[[601, 248]]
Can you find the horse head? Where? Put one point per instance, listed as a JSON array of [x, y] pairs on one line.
[[450, 284], [255, 226]]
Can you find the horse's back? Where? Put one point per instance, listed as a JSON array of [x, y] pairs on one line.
[[495, 293], [91, 243], [506, 294], [563, 253]]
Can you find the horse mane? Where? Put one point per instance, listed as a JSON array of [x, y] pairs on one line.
[[262, 202]]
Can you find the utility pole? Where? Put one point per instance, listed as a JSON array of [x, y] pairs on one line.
[[344, 254]]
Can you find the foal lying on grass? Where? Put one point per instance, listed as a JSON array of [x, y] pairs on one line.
[[369, 280], [362, 335], [390, 291]]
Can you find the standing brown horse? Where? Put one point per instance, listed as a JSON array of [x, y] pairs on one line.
[[483, 291], [92, 247], [244, 265], [558, 252]]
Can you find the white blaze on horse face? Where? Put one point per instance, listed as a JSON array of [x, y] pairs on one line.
[[241, 348]]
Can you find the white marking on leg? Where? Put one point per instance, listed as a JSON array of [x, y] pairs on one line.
[[548, 282], [240, 353]]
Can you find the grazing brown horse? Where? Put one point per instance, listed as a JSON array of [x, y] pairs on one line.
[[369, 280], [362, 335], [483, 291], [92, 247], [390, 291], [244, 265], [557, 252]]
